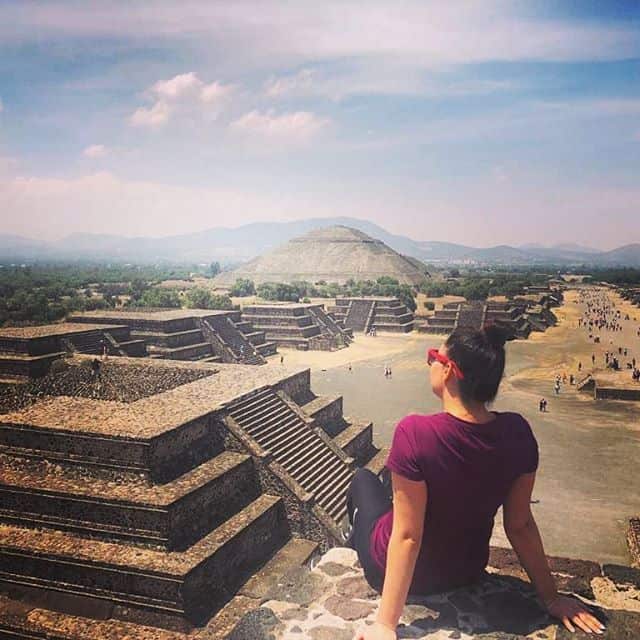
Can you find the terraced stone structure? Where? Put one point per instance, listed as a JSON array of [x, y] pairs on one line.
[[385, 314], [191, 334], [301, 326], [163, 499], [330, 254], [476, 314], [28, 352]]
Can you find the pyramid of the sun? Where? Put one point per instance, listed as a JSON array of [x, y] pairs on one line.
[[333, 254]]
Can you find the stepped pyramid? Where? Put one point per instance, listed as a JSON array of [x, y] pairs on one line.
[[161, 499], [333, 254]]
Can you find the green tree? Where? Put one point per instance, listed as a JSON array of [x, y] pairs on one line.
[[161, 298], [214, 269], [243, 287]]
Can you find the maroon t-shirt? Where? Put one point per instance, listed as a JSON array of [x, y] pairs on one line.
[[469, 469]]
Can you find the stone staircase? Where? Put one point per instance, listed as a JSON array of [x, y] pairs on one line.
[[310, 459], [358, 314], [82, 517], [328, 325], [173, 530], [242, 349]]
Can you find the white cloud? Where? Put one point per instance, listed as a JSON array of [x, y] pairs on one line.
[[154, 117], [184, 93], [215, 92], [298, 126], [429, 33], [95, 151], [178, 86]]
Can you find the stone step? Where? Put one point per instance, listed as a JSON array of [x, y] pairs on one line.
[[327, 412], [267, 348], [294, 444], [13, 364], [255, 337], [212, 359], [163, 457], [188, 352], [307, 461], [125, 506], [322, 475], [259, 413], [273, 435], [171, 340], [377, 462], [133, 348], [191, 584], [20, 619], [255, 398], [356, 440]]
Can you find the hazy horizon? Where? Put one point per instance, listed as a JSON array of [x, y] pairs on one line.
[[482, 124], [203, 230]]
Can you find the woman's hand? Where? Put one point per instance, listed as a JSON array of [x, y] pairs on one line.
[[376, 631], [571, 610]]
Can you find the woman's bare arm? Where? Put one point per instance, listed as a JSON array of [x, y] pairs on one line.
[[522, 531], [409, 508]]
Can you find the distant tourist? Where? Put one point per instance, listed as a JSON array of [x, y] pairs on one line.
[[542, 405], [95, 368], [281, 359], [556, 387], [579, 366], [427, 541], [350, 367]]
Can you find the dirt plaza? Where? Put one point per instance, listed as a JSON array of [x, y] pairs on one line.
[[584, 491]]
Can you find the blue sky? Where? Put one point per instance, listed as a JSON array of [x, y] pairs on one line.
[[478, 122]]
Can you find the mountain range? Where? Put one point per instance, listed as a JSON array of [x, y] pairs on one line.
[[235, 245]]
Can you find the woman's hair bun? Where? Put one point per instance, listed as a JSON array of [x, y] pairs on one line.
[[496, 336]]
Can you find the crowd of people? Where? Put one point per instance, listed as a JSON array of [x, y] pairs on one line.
[[602, 319]]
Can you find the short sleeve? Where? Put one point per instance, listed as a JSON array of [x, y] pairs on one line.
[[402, 456], [530, 454]]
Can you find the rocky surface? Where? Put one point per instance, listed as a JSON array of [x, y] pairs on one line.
[[144, 413], [332, 600], [118, 381]]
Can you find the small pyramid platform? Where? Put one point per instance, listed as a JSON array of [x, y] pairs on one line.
[[161, 499]]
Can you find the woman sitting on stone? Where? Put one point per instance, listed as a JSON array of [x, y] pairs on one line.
[[450, 472]]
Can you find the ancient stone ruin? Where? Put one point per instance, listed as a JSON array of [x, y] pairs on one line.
[[386, 314], [28, 352], [330, 254], [299, 326], [191, 334], [163, 499], [332, 600], [519, 317]]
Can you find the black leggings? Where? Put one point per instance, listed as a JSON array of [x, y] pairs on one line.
[[369, 496]]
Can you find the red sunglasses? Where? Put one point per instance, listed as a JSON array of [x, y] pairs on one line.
[[434, 355]]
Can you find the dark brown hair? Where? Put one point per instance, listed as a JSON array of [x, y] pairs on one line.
[[480, 356]]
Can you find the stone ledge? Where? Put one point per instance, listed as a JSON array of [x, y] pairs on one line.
[[333, 600]]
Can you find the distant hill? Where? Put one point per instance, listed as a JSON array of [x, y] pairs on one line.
[[232, 246]]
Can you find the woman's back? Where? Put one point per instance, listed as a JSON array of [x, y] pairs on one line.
[[469, 469]]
